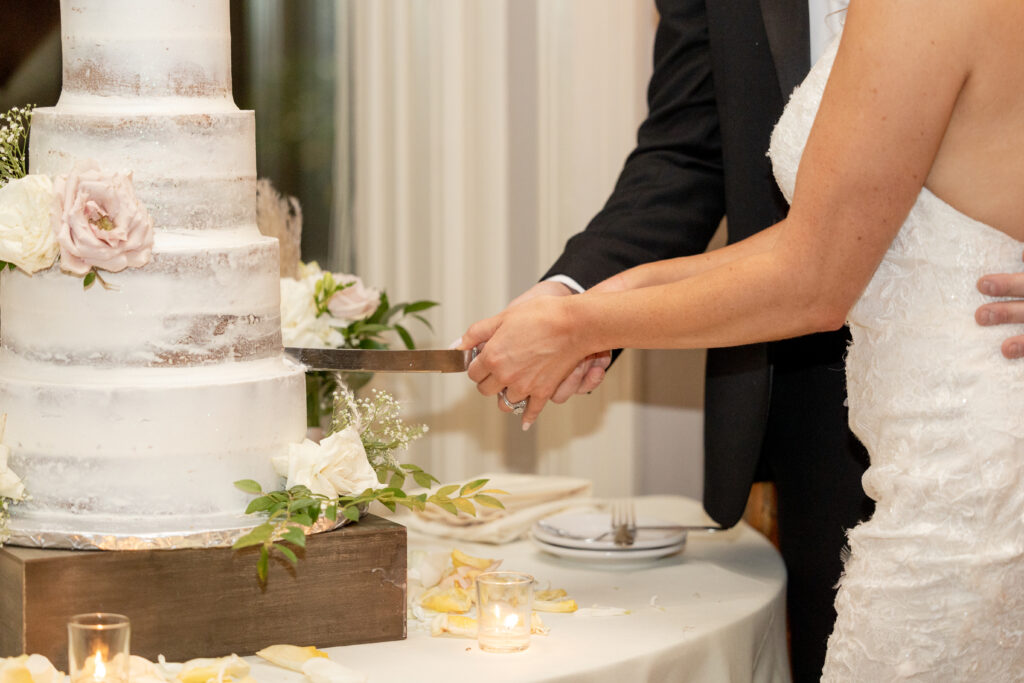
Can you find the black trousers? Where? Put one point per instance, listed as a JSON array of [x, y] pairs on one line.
[[817, 465]]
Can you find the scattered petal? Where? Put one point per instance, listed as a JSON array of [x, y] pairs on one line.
[[319, 670], [290, 656], [555, 605]]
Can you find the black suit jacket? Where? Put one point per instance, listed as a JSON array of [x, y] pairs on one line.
[[723, 70]]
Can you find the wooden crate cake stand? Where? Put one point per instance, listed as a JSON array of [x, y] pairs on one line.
[[349, 587]]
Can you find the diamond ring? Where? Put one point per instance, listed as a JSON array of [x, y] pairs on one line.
[[518, 407]]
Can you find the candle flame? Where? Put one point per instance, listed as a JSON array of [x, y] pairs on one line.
[[100, 671], [510, 621]]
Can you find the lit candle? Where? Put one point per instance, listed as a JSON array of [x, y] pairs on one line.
[[504, 602], [98, 648]]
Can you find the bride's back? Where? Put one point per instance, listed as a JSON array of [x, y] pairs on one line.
[[979, 167]]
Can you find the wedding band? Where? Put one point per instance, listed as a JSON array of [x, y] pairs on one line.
[[518, 407]]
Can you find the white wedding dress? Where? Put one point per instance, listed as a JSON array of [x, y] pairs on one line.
[[933, 588]]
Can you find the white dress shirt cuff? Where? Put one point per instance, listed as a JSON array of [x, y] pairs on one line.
[[567, 281]]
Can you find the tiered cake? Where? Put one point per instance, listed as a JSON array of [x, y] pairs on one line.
[[132, 410]]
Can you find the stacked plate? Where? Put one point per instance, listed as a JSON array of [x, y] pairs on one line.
[[589, 536]]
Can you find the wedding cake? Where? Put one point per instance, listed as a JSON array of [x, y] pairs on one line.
[[133, 407]]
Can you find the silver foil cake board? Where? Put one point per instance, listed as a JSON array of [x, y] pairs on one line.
[[349, 587]]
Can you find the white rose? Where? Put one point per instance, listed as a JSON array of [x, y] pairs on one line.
[[34, 668], [299, 325], [26, 232], [10, 485], [355, 302], [336, 466]]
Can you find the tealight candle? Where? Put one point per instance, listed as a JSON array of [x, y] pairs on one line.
[[504, 602], [98, 648]]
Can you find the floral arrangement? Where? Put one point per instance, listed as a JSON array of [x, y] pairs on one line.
[[89, 219], [12, 490], [321, 309], [340, 476]]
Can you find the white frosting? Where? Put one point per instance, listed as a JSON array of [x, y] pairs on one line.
[[155, 48], [133, 410]]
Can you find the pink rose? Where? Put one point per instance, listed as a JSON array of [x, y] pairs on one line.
[[354, 302], [99, 221]]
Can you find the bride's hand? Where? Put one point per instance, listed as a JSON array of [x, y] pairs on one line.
[[1010, 285], [530, 349]]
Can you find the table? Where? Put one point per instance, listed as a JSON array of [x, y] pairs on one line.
[[713, 613]]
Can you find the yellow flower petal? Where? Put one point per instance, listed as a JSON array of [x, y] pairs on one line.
[[537, 626], [460, 559], [456, 625], [554, 605], [290, 657], [451, 599], [551, 594]]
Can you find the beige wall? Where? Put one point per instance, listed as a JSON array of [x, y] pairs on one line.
[[484, 134]]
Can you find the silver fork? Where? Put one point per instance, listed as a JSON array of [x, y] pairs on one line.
[[624, 522]]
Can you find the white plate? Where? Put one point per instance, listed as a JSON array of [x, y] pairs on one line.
[[569, 529], [623, 556]]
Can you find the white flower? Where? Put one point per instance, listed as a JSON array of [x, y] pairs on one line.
[[334, 467], [30, 669], [299, 324], [355, 302], [10, 485], [26, 233]]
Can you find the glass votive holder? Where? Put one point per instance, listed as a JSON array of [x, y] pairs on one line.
[[504, 603], [98, 648]]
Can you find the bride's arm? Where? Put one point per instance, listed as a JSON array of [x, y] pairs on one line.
[[896, 79], [673, 270]]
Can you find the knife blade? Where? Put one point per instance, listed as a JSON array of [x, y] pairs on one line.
[[374, 360]]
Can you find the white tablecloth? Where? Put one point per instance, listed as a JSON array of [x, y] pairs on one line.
[[714, 613]]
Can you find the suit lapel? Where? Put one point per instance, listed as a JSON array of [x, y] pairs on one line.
[[789, 40]]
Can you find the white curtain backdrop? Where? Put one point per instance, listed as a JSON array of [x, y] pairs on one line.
[[484, 133]]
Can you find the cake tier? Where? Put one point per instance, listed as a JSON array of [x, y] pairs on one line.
[[191, 171], [144, 452], [203, 299], [153, 49]]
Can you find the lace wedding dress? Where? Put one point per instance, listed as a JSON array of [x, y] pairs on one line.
[[933, 588]]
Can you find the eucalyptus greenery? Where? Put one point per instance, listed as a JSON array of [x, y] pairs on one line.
[[289, 512]]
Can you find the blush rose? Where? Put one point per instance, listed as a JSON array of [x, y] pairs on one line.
[[99, 222]]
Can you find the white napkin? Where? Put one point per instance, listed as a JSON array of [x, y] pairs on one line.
[[530, 497]]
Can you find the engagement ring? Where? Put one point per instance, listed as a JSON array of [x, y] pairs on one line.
[[518, 407]]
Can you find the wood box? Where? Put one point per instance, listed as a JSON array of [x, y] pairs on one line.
[[349, 587]]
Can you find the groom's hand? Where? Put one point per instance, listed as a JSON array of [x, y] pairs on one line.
[[1011, 286]]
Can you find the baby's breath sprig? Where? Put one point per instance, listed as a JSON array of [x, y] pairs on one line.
[[14, 127]]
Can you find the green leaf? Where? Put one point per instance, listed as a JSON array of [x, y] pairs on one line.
[[288, 554], [260, 534], [465, 506], [397, 480], [447, 506], [419, 306], [473, 486], [351, 512], [389, 504], [295, 536], [488, 501], [302, 520], [411, 468], [446, 491], [406, 337], [261, 504], [261, 566], [89, 278], [331, 513], [302, 503], [423, 479], [424, 321], [249, 486]]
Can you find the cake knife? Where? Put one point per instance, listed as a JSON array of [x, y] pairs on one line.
[[373, 360]]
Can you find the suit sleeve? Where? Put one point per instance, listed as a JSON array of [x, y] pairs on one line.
[[668, 199]]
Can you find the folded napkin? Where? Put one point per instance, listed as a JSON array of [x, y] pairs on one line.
[[530, 497]]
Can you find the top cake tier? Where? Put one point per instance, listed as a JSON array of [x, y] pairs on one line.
[[157, 54]]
